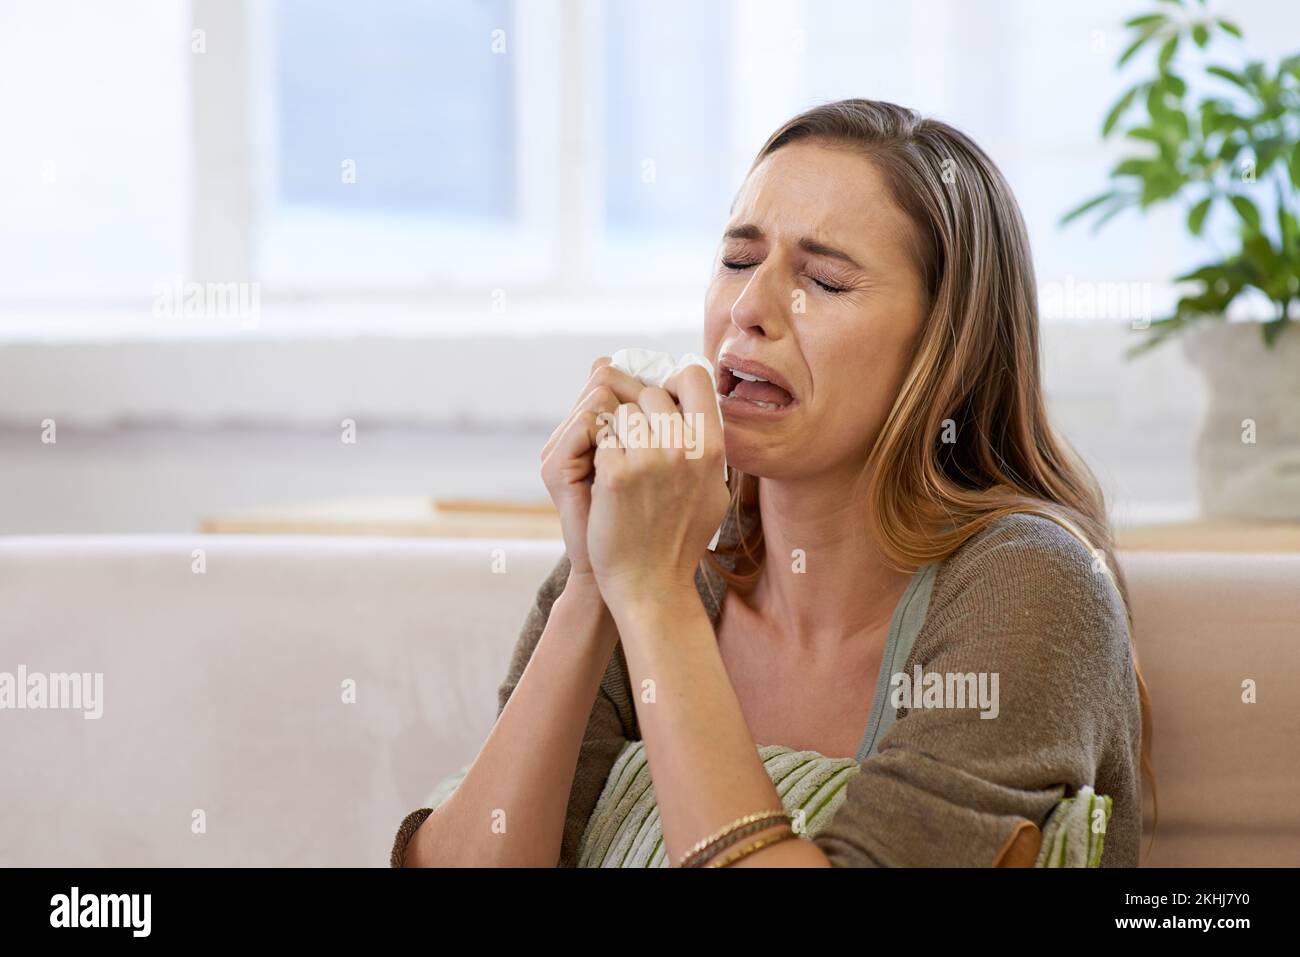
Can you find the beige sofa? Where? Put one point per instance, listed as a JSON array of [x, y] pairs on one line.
[[285, 701], [1227, 772]]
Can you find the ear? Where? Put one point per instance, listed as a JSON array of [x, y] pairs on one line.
[[1021, 847]]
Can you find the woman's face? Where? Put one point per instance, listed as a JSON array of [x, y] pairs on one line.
[[814, 281]]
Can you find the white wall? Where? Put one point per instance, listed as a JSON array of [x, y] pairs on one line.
[[446, 417]]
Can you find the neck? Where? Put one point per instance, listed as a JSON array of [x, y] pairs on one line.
[[846, 588]]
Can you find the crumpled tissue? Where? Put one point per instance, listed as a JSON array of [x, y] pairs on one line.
[[655, 368]]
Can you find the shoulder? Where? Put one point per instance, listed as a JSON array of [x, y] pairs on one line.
[[1029, 604], [1022, 539], [1018, 554], [1025, 578]]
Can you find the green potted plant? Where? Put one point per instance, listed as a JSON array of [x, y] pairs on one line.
[[1227, 144]]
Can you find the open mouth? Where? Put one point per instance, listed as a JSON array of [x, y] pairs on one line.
[[754, 389]]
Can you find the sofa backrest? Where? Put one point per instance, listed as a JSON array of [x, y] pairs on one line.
[[286, 700], [1207, 628], [224, 691]]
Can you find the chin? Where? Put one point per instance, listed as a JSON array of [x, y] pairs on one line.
[[754, 458]]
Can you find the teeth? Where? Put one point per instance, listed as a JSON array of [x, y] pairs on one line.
[[752, 378], [761, 405]]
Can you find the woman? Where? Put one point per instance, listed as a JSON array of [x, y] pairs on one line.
[[896, 496]]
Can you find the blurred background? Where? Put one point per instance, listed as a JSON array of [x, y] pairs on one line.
[[413, 225]]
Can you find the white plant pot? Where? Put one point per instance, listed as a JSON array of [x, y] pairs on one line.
[[1248, 453]]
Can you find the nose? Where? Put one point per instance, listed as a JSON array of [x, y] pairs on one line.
[[763, 305]]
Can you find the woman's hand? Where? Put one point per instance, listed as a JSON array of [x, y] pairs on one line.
[[568, 458], [659, 493]]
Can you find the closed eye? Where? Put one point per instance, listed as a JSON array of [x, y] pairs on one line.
[[739, 265], [829, 287]]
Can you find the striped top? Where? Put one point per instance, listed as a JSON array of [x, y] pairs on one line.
[[625, 831]]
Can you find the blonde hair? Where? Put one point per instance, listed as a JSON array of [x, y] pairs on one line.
[[975, 369]]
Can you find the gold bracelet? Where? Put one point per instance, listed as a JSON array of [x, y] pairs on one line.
[[708, 842], [720, 845], [751, 848]]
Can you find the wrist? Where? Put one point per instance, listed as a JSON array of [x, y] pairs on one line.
[[582, 592], [644, 600], [582, 583]]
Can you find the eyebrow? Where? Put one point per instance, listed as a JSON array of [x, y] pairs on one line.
[[811, 246]]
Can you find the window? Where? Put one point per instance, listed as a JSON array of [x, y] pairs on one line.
[[394, 142], [564, 150], [94, 177], [376, 92]]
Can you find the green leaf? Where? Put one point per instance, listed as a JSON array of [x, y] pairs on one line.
[[1200, 35], [1266, 151], [1227, 26], [1224, 73], [1167, 52], [1210, 117], [1213, 301], [1247, 210], [1206, 274], [1145, 19], [1147, 33], [1229, 150], [1160, 331], [1156, 102], [1122, 104], [1295, 166], [1290, 229], [1160, 184], [1196, 218], [1084, 207], [1217, 115], [1122, 202], [1256, 260], [1133, 166], [1145, 133]]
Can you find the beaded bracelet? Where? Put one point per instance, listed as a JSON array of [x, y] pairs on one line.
[[708, 842], [751, 848]]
